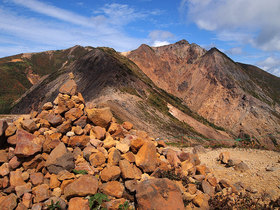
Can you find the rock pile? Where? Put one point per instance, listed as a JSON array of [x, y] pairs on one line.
[[69, 152]]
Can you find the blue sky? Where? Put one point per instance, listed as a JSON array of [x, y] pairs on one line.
[[246, 30]]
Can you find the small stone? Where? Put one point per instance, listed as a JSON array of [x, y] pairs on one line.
[[16, 178], [224, 157], [113, 188], [56, 192], [127, 125], [78, 203], [41, 193], [29, 125], [78, 130], [114, 156], [64, 174], [192, 189], [11, 130], [54, 183], [36, 178], [109, 142], [207, 188], [146, 158], [27, 200], [110, 173], [173, 158], [8, 202], [85, 185], [242, 167], [14, 162], [124, 148], [199, 149], [99, 132], [101, 117], [73, 114], [54, 119], [129, 156], [4, 169], [3, 127], [127, 169], [22, 189], [47, 106], [55, 199], [97, 159], [201, 200]]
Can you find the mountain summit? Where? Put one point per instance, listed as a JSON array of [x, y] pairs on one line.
[[211, 84]]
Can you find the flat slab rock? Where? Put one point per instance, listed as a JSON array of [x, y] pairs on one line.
[[159, 194]]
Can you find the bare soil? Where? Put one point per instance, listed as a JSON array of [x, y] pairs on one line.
[[258, 161]]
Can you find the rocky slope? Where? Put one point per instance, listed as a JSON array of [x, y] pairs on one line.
[[20, 72], [241, 98], [105, 77], [73, 156]]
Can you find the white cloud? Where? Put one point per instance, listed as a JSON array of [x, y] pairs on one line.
[[234, 51], [65, 28], [271, 64], [160, 43], [252, 21], [160, 35]]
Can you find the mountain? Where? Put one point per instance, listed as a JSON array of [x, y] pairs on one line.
[[20, 72], [241, 98], [106, 78], [169, 91]]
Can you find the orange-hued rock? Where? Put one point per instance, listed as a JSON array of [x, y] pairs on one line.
[[127, 169], [129, 156], [85, 185], [127, 125], [172, 158], [224, 157], [8, 202], [101, 117], [4, 169], [97, 159], [73, 114], [110, 173], [99, 132], [158, 194], [41, 193], [201, 200], [16, 178], [136, 144], [113, 188], [11, 129], [79, 141], [146, 158], [27, 144], [114, 156], [69, 87], [36, 178], [54, 181], [78, 203], [29, 125]]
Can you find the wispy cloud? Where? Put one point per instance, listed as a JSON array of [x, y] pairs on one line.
[[253, 21], [60, 28], [271, 64]]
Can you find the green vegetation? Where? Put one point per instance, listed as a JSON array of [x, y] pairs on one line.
[[96, 201], [54, 206], [124, 206]]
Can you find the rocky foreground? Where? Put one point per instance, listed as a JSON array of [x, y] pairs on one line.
[[72, 156]]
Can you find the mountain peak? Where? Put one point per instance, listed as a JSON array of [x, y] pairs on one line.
[[182, 42]]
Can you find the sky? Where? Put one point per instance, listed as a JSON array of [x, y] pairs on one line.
[[248, 31]]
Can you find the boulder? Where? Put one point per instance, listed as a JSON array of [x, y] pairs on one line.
[[85, 185], [114, 156], [127, 169], [69, 87], [101, 117], [241, 167], [146, 158], [27, 144], [158, 194], [54, 119]]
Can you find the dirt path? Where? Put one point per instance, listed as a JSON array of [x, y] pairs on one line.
[[257, 177]]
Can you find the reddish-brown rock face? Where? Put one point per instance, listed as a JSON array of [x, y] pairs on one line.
[[211, 84]]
